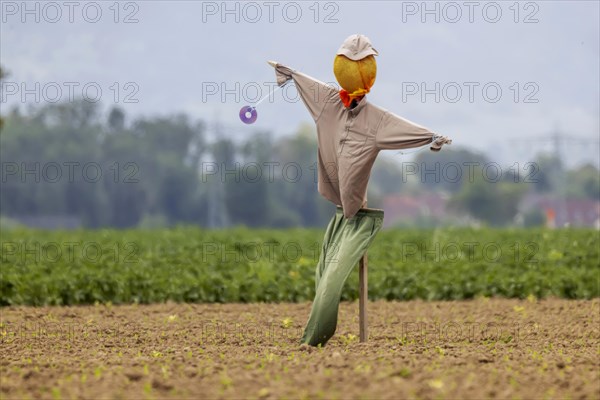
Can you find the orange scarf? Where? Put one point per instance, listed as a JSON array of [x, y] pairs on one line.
[[348, 97]]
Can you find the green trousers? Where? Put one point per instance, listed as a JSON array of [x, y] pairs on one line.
[[345, 242]]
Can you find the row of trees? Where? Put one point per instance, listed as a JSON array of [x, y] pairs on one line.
[[492, 193], [68, 159]]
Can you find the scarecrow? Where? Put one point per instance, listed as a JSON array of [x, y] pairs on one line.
[[351, 132]]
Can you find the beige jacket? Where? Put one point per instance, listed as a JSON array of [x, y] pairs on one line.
[[350, 139]]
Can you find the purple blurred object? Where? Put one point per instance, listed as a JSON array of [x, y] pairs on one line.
[[248, 114]]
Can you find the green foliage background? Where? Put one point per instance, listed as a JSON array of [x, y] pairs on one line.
[[247, 265], [154, 172]]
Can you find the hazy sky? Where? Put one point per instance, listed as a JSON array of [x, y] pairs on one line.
[[208, 59]]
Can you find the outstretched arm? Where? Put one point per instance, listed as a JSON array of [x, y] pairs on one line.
[[395, 132], [314, 93]]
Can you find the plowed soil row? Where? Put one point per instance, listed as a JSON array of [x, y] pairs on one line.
[[484, 348]]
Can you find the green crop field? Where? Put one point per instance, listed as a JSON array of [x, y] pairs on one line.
[[245, 265]]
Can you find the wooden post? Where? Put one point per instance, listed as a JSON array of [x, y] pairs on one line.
[[363, 289]]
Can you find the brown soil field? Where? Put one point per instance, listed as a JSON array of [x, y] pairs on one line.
[[484, 348]]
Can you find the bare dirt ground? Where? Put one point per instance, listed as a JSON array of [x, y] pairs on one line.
[[485, 348]]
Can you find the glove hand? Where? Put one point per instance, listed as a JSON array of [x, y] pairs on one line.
[[282, 72], [439, 141]]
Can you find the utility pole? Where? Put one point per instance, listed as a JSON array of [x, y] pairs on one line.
[[217, 214], [558, 140]]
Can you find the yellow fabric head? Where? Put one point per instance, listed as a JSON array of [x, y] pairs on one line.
[[356, 77]]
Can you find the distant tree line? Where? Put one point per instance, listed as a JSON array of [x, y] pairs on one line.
[[66, 159], [491, 192], [71, 159]]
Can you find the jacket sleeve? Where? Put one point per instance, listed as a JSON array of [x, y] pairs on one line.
[[395, 132], [314, 93]]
